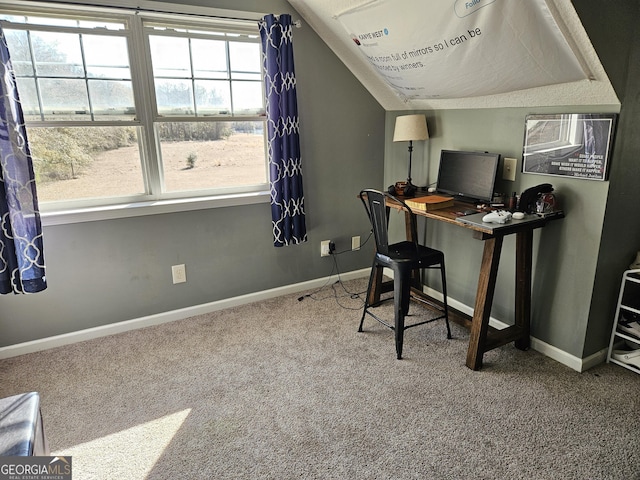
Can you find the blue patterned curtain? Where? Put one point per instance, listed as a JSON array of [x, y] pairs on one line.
[[21, 249], [285, 166]]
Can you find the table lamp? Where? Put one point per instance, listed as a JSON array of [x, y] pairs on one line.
[[410, 128]]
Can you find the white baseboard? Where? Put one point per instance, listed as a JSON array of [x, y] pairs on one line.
[[119, 327], [595, 359], [571, 361]]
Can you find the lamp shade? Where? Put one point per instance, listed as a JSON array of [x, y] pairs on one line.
[[410, 127]]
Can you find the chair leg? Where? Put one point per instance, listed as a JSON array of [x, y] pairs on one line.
[[399, 329], [401, 296], [366, 300], [406, 294], [444, 299]]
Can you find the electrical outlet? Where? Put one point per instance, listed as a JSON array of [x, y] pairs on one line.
[[325, 248], [355, 242], [509, 169], [179, 273]]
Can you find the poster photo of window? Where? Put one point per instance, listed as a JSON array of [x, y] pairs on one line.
[[574, 145]]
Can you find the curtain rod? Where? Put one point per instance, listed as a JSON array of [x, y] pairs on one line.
[[296, 23]]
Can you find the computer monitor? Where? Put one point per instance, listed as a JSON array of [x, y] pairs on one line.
[[468, 176]]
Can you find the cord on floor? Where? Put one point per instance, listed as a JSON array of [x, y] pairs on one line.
[[336, 269]]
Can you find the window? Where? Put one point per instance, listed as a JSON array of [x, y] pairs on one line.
[[553, 133], [126, 107]]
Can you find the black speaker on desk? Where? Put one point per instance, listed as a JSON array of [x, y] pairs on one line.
[[403, 189]]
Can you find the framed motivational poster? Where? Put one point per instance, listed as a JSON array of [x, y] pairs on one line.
[[574, 145]]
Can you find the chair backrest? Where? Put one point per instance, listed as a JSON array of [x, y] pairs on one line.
[[374, 202]]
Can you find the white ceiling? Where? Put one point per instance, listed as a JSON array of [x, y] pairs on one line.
[[321, 16]]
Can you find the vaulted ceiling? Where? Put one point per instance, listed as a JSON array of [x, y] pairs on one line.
[[324, 16]]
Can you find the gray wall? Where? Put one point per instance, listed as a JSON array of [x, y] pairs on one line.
[[616, 38], [109, 271]]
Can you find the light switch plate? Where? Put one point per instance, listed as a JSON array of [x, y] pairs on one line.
[[509, 169]]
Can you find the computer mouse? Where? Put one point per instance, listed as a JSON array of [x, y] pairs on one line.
[[517, 215]]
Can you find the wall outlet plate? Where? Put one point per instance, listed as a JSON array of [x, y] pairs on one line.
[[179, 273], [355, 242], [325, 249], [509, 169]]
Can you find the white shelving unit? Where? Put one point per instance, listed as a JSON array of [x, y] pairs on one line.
[[628, 301]]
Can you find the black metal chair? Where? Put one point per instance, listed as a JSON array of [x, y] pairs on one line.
[[403, 258]]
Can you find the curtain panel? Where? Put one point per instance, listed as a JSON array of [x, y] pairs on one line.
[[21, 248], [283, 135]]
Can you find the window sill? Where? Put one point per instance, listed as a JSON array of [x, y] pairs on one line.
[[110, 212]]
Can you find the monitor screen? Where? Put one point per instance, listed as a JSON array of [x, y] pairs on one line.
[[468, 176]]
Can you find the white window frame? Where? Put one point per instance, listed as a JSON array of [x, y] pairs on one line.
[[54, 213], [568, 136]]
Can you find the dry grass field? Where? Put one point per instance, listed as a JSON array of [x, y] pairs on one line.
[[238, 160]]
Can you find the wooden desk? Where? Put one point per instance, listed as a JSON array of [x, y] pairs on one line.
[[482, 336]]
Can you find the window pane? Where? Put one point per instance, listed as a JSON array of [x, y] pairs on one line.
[[209, 59], [57, 54], [13, 18], [247, 98], [106, 56], [86, 162], [63, 22], [213, 97], [245, 57], [58, 22], [256, 77], [212, 155], [60, 56], [170, 57], [64, 97], [174, 97], [28, 98], [110, 97], [19, 50], [101, 24], [214, 93]]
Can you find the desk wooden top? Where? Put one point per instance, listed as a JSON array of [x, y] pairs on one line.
[[452, 214]]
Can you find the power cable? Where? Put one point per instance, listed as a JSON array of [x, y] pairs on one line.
[[336, 269]]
